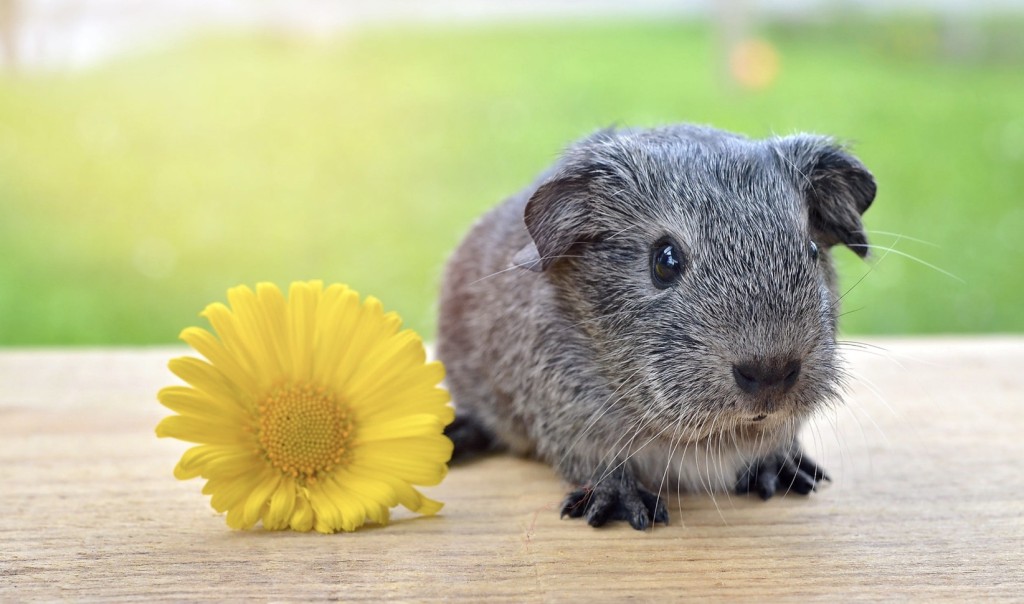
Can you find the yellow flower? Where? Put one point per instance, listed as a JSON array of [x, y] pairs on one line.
[[313, 412]]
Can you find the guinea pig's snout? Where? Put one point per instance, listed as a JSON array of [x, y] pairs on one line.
[[757, 376]]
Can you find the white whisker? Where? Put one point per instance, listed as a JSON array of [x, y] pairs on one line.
[[911, 257]]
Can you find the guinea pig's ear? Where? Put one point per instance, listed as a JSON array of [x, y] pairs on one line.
[[837, 188], [555, 217]]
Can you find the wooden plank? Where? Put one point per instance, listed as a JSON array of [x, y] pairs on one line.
[[928, 501]]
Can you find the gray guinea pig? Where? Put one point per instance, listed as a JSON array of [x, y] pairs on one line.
[[657, 312]]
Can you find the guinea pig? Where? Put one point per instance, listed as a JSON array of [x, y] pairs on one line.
[[656, 312]]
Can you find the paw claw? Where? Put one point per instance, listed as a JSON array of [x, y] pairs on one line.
[[656, 504], [615, 500], [766, 483], [574, 504], [783, 472]]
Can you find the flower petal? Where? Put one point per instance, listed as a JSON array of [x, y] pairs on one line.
[[194, 430], [367, 330], [194, 460], [379, 457], [386, 362], [394, 400], [337, 308], [242, 461], [434, 448], [282, 504], [236, 518], [359, 495], [258, 499], [226, 362], [428, 506], [407, 496], [192, 402], [204, 460], [302, 303], [302, 514], [275, 317], [231, 493], [327, 509], [208, 379], [226, 325], [420, 424], [369, 486], [255, 332]]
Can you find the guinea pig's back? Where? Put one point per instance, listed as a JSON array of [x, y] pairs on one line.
[[478, 294]]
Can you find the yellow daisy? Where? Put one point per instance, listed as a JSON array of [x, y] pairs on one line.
[[313, 412]]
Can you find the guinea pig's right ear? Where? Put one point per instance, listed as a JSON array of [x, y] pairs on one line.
[[555, 217], [837, 188]]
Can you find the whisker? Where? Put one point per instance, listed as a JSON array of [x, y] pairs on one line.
[[871, 268], [633, 453], [605, 407], [881, 398], [707, 470], [636, 427], [524, 266], [911, 257], [902, 236], [874, 350], [677, 437]]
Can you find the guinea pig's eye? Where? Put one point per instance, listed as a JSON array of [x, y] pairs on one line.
[[812, 249], [666, 263]]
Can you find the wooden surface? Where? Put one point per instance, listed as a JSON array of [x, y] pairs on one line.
[[928, 501]]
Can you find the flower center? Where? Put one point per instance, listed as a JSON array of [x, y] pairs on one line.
[[303, 430]]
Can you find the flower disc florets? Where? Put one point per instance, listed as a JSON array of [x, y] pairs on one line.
[[303, 430]]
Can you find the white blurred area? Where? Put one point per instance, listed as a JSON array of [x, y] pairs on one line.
[[73, 34]]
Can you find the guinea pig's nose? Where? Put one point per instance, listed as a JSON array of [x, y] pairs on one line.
[[757, 375]]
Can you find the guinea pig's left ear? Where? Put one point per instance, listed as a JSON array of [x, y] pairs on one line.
[[837, 188], [556, 218]]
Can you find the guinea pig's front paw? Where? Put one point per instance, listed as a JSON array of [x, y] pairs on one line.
[[616, 500], [785, 471]]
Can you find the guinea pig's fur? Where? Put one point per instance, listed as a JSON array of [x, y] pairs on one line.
[[562, 342]]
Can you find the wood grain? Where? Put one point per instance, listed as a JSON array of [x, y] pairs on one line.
[[928, 502]]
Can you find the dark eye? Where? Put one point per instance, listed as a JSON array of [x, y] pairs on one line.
[[812, 248], [666, 263]]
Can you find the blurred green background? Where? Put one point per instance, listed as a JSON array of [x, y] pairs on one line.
[[137, 191]]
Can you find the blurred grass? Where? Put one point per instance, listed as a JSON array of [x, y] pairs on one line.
[[134, 194]]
